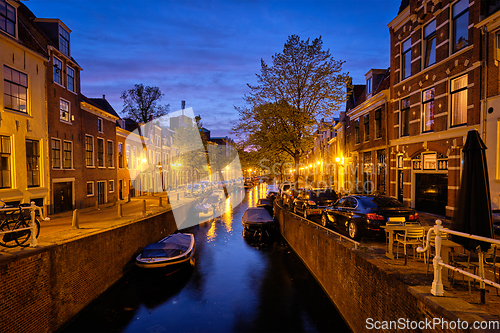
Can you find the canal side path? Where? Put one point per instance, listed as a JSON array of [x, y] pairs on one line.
[[93, 220]]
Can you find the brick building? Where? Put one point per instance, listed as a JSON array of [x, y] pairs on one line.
[[366, 145], [435, 99]]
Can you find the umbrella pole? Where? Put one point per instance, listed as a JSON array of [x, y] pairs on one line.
[[481, 274]]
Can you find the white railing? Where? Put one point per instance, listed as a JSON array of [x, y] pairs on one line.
[[32, 227], [437, 284]]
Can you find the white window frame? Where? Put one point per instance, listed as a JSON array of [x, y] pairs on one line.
[[54, 71], [100, 125], [68, 121], [103, 152], [424, 103], [68, 69], [93, 151], [453, 30], [430, 37], [93, 189], [112, 165], [111, 186], [59, 167], [455, 92], [63, 159], [403, 53]]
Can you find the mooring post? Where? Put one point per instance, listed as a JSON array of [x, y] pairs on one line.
[[74, 221], [120, 210], [161, 202], [144, 207], [33, 241]]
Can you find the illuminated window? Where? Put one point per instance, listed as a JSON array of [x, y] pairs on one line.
[[459, 101], [33, 162], [64, 110], [100, 152], [120, 155], [366, 120], [405, 117], [56, 154], [111, 154], [90, 189], [68, 154], [89, 151], [5, 154], [428, 116]]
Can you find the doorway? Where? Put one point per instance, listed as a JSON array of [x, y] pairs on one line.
[[63, 197], [101, 192], [431, 192]]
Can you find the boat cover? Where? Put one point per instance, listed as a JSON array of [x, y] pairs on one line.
[[267, 202], [257, 215], [170, 246], [212, 199]]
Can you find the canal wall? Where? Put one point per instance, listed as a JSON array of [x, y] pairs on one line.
[[362, 290], [43, 288]]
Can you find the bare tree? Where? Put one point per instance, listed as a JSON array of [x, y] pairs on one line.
[[142, 103]]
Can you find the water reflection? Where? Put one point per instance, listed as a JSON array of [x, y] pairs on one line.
[[234, 287]]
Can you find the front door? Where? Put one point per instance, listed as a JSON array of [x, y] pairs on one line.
[[63, 197], [101, 192], [431, 193], [120, 189]]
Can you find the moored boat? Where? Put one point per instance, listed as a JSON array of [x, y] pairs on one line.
[[171, 253], [257, 221]]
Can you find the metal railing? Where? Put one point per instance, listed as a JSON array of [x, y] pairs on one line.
[[33, 226], [437, 283], [330, 231]]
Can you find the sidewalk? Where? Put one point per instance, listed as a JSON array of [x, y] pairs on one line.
[[94, 219]]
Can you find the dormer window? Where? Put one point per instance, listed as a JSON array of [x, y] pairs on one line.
[[63, 41], [369, 86], [7, 18]]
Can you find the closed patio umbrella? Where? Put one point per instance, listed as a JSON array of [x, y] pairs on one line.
[[473, 213]]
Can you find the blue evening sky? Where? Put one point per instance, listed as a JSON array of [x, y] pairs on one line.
[[205, 52]]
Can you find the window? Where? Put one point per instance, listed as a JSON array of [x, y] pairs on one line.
[[406, 59], [459, 101], [366, 121], [120, 155], [56, 154], [90, 189], [405, 117], [70, 79], [111, 186], [63, 41], [5, 162], [64, 110], [15, 85], [68, 154], [430, 43], [369, 86], [460, 25], [99, 125], [7, 18], [129, 158], [356, 131], [378, 123], [32, 162], [100, 152], [57, 71], [428, 124], [134, 156], [89, 151], [111, 154]]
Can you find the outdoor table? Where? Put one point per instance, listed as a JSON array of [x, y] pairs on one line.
[[391, 229]]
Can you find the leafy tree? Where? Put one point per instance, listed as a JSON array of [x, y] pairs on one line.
[[303, 84], [142, 103]]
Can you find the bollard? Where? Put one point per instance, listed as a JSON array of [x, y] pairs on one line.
[[177, 196], [33, 241], [120, 210], [128, 199], [97, 204], [74, 221], [168, 199], [143, 207], [161, 202]]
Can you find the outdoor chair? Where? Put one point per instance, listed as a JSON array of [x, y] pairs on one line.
[[491, 260], [413, 237], [389, 224], [465, 261], [429, 254], [412, 224]]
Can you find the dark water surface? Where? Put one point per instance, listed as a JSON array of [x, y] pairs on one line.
[[234, 286]]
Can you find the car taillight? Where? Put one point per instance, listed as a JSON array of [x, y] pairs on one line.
[[373, 216], [310, 202], [414, 217]]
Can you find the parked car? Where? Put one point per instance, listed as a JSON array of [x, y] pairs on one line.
[[194, 189], [207, 184], [363, 215], [289, 196], [312, 201], [272, 191], [282, 190]]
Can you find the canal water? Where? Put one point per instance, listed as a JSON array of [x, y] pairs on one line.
[[234, 286]]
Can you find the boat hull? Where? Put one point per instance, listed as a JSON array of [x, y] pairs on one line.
[[168, 263]]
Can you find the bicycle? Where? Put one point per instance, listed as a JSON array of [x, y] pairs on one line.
[[11, 219]]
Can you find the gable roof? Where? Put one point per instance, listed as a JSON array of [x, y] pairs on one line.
[[103, 104]]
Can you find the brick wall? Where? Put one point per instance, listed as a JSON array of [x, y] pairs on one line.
[[44, 288]]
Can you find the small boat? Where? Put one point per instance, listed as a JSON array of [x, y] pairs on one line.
[[267, 204], [171, 253], [257, 221]]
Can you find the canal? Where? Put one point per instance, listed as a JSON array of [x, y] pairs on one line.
[[234, 286]]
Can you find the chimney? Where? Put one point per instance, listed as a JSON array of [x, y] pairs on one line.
[[103, 96]]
